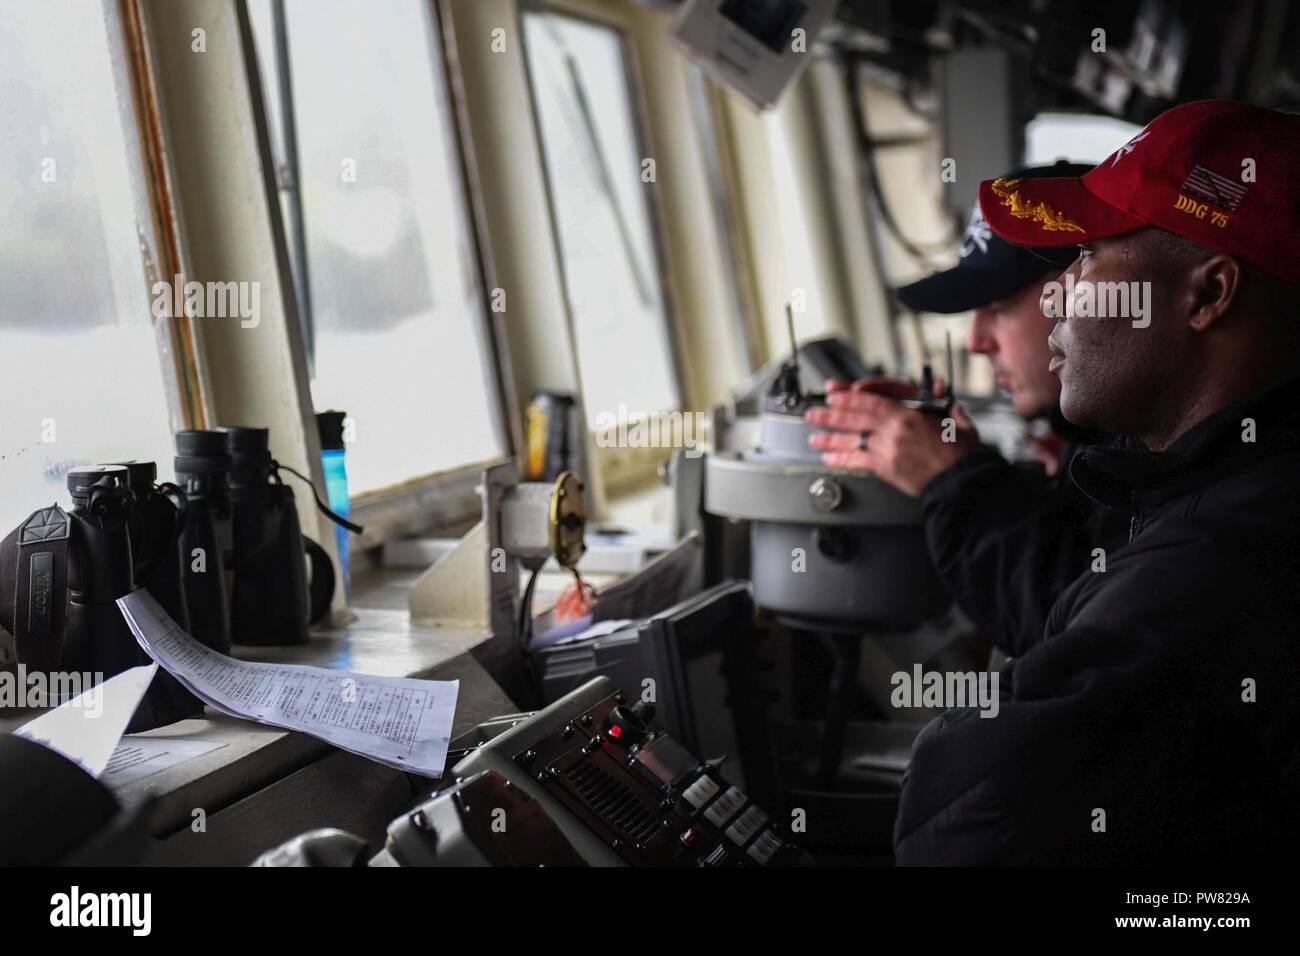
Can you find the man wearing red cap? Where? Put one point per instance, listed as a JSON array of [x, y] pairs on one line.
[[1158, 719]]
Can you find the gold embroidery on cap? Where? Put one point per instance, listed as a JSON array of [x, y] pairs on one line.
[[1023, 208]]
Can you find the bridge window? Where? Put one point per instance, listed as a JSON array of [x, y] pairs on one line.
[[597, 172], [378, 227], [88, 374]]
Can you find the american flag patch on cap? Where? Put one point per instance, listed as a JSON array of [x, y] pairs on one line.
[[1213, 188]]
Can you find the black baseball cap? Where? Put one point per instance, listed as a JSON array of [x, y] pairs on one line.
[[991, 268]]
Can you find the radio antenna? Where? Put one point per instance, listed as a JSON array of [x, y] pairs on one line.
[[789, 326], [790, 372], [947, 338]]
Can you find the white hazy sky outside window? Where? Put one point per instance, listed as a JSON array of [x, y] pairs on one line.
[[78, 350], [396, 304], [1076, 137]]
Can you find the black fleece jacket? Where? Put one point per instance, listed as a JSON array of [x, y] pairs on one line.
[[1006, 539], [1158, 720]]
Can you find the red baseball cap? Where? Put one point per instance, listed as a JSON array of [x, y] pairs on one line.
[[1221, 173]]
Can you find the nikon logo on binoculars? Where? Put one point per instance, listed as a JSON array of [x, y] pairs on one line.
[[629, 429], [42, 584], [23, 689], [208, 300]]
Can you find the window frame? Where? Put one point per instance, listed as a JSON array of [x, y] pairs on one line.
[[155, 202]]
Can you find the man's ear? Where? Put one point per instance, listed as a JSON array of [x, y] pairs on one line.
[[1215, 285]]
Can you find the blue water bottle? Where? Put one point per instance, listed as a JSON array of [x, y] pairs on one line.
[[330, 426]]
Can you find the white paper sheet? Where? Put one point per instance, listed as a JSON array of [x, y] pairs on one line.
[[399, 721], [138, 757], [88, 727], [581, 630]]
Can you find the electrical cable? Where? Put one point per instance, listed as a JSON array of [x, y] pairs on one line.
[[921, 252], [324, 508], [525, 624]]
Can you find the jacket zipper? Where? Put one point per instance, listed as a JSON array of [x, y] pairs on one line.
[[1135, 518]]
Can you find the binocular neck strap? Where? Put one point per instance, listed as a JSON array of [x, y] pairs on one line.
[[324, 509], [180, 503], [41, 587]]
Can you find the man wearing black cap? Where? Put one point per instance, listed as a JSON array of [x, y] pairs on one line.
[[1005, 539]]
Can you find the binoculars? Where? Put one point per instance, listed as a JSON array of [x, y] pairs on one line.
[[68, 568], [221, 550], [246, 575]]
